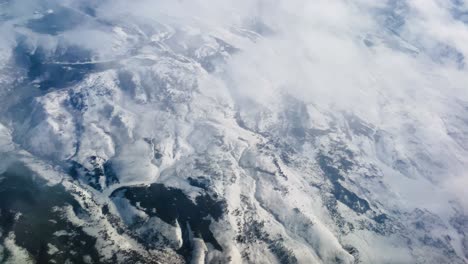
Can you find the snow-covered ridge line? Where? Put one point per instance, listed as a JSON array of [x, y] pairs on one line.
[[247, 132]]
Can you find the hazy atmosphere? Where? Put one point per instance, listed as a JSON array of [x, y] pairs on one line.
[[249, 131]]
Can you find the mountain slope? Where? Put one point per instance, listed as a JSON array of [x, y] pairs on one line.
[[161, 136]]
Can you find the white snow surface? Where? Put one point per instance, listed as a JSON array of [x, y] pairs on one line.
[[261, 104]]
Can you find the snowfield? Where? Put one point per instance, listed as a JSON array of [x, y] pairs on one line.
[[217, 132]]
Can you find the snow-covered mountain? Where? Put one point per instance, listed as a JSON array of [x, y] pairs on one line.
[[249, 132]]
